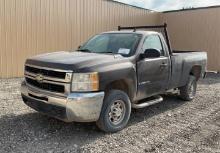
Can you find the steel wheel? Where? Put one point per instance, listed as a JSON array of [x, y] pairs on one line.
[[117, 112]]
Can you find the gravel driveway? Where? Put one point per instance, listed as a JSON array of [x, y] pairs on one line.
[[170, 126]]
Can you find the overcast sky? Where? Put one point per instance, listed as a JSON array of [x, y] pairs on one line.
[[164, 5]]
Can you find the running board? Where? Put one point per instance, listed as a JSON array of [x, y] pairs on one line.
[[148, 103]]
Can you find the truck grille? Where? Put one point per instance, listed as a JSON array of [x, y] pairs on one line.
[[46, 86], [47, 79], [44, 72]]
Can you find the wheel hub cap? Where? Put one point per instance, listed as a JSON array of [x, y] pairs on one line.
[[117, 112]]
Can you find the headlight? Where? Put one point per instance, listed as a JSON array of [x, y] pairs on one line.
[[85, 82]]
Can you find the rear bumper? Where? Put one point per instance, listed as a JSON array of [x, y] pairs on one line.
[[80, 107]]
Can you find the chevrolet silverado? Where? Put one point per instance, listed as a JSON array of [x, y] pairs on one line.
[[110, 74]]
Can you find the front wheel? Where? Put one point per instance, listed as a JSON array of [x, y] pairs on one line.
[[188, 91], [115, 112]]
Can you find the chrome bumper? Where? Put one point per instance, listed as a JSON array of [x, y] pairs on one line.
[[79, 107]]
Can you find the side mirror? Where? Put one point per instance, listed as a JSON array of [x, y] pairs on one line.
[[151, 53], [79, 47]]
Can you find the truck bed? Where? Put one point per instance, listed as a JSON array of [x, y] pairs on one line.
[[182, 63]]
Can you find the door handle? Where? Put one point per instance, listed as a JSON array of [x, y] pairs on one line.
[[163, 65]]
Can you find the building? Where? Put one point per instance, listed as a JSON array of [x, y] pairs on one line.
[[196, 29], [30, 27]]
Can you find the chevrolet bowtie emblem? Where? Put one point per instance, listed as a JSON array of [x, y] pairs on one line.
[[39, 78]]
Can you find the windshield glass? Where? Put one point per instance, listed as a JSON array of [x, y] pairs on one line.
[[115, 43]]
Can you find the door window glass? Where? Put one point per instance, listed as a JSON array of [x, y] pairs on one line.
[[153, 42]]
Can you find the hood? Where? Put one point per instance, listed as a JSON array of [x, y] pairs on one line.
[[72, 60]]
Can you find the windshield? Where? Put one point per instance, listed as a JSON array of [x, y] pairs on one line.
[[115, 43]]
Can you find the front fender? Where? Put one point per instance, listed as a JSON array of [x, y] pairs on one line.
[[123, 71]]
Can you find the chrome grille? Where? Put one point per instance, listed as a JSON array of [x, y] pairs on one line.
[[49, 73], [47, 79], [46, 86]]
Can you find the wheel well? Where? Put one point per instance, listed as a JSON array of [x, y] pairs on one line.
[[119, 85], [196, 71]]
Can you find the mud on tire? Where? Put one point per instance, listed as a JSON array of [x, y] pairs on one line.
[[188, 91], [115, 112]]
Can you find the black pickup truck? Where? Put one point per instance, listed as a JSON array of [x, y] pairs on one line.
[[110, 74]]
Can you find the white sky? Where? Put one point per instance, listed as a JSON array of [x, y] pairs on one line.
[[165, 5]]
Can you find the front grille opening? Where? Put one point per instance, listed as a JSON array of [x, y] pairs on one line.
[[46, 86], [37, 97], [49, 73]]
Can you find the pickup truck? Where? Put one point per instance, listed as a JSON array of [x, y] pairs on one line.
[[109, 75]]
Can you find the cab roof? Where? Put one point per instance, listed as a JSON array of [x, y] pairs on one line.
[[132, 32]]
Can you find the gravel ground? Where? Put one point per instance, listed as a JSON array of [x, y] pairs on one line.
[[170, 126]]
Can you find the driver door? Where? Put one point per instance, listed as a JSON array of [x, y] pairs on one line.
[[153, 73]]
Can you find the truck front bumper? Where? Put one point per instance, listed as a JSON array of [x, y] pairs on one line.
[[79, 107]]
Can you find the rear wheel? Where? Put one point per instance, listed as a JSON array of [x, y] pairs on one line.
[[188, 91], [115, 112]]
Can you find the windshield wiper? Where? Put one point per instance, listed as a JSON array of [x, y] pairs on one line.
[[87, 50], [108, 52], [84, 50]]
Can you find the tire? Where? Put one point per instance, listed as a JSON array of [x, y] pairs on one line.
[[188, 91], [108, 120]]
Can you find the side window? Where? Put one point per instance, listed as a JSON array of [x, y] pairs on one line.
[[153, 41]]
